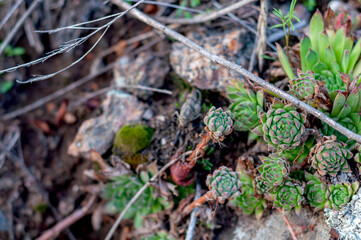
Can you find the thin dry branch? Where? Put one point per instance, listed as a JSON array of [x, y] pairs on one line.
[[10, 13], [207, 16], [68, 46], [293, 234], [224, 62], [18, 24], [136, 196], [68, 221]]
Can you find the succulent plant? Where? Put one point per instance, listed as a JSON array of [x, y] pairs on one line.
[[289, 196], [303, 87], [330, 157], [224, 183], [245, 106], [273, 170], [261, 187], [247, 201], [317, 193], [341, 194], [282, 126], [218, 123], [328, 51]]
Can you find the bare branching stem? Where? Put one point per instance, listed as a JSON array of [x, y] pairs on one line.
[[224, 62]]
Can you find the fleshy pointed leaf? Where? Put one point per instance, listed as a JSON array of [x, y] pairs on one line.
[[284, 61]]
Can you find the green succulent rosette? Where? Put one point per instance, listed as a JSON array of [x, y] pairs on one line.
[[341, 194], [224, 184], [288, 196], [282, 126], [218, 123], [273, 170], [303, 87], [330, 157], [317, 193], [246, 106], [247, 201]]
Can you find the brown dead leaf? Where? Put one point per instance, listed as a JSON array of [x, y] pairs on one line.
[[61, 113], [43, 125]]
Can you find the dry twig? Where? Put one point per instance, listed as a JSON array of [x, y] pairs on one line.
[[136, 196], [224, 62], [207, 16], [294, 237], [68, 221], [10, 13]]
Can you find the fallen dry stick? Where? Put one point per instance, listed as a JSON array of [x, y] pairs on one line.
[[294, 237], [66, 222], [224, 62]]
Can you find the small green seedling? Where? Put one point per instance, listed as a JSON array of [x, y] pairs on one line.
[[286, 21]]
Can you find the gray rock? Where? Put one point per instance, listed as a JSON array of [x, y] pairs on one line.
[[199, 71], [97, 134], [347, 220], [307, 225]]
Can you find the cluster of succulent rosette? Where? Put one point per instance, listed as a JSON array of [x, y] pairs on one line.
[[305, 155]]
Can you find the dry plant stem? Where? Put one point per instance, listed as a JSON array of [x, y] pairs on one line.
[[136, 196], [200, 149], [297, 103], [208, 16], [68, 221], [197, 203], [293, 234], [56, 94], [18, 24], [193, 220], [10, 13]]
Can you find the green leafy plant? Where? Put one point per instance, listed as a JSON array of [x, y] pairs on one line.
[[286, 21], [124, 187]]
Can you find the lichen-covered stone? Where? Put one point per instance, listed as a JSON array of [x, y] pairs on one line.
[[347, 220]]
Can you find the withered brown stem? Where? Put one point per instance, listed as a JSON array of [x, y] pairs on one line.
[[197, 203]]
